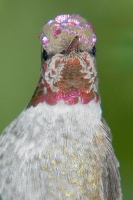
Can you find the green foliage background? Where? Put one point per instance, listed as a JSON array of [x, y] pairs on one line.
[[20, 22]]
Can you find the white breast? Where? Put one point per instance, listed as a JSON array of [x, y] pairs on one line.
[[50, 152]]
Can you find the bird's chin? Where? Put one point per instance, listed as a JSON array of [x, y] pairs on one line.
[[68, 85]]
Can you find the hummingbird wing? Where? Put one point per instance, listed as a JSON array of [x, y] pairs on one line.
[[110, 176]]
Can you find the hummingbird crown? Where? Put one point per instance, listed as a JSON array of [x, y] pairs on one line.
[[57, 34], [68, 63]]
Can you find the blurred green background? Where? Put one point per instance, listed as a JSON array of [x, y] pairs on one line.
[[20, 23]]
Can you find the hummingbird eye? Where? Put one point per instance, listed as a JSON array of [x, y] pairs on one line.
[[62, 52], [94, 51], [44, 55]]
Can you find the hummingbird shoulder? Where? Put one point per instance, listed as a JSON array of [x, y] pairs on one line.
[[59, 147]]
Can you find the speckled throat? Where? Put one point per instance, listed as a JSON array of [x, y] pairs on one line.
[[70, 78]]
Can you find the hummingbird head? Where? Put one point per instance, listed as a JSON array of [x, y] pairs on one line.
[[68, 60]]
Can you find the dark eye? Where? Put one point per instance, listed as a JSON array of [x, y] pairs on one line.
[[44, 55], [94, 51], [62, 52]]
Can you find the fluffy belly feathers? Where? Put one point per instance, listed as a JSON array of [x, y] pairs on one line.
[[56, 156]]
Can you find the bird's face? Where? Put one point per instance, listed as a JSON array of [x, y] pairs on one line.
[[71, 69], [68, 55]]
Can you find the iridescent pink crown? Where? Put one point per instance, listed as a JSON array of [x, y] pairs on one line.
[[57, 34]]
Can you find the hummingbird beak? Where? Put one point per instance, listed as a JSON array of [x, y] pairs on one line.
[[74, 45]]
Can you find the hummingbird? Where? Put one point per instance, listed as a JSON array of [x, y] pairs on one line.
[[60, 147]]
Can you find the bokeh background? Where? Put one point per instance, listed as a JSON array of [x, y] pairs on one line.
[[20, 23]]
